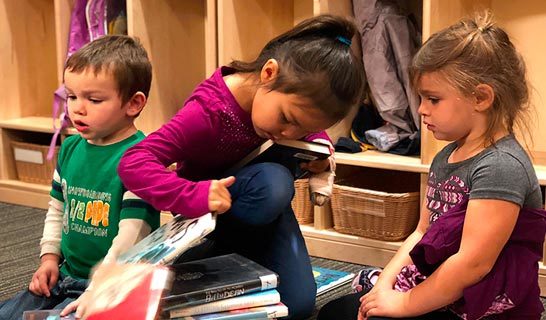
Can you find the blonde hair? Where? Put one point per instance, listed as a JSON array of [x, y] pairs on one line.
[[476, 51]]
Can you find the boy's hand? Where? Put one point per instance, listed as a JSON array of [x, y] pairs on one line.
[[316, 166], [46, 276], [219, 196]]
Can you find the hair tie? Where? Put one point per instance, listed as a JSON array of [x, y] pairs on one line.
[[344, 40]]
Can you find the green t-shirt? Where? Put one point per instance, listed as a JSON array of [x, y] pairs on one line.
[[95, 200]]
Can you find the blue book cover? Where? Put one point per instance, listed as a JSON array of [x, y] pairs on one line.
[[328, 279]]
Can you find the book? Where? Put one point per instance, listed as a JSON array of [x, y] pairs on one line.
[[52, 314], [256, 299], [328, 279], [278, 310], [217, 278], [127, 291], [170, 240], [289, 153]]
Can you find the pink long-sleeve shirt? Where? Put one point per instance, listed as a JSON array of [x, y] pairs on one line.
[[205, 138]]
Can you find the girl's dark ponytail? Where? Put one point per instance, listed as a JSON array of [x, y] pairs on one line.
[[315, 61]]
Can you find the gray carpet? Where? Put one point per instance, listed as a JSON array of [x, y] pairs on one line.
[[19, 249]]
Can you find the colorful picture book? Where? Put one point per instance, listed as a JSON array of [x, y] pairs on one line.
[[127, 291], [256, 299], [217, 278], [170, 240], [53, 314], [329, 279], [289, 153], [278, 310]]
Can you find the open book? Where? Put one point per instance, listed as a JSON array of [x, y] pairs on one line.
[[170, 240], [289, 153]]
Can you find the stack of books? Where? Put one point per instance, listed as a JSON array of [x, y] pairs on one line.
[[224, 287]]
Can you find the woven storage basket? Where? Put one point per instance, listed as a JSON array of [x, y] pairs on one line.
[[303, 208], [31, 162], [374, 214]]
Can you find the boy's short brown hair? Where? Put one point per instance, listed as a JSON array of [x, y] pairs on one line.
[[124, 56]]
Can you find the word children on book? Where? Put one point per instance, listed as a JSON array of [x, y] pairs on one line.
[[170, 240], [217, 278], [289, 153]]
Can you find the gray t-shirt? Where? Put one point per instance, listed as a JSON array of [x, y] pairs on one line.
[[503, 171]]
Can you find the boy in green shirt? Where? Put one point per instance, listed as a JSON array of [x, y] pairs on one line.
[[91, 215]]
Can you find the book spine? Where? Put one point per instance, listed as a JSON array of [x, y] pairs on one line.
[[265, 312], [246, 301], [213, 294]]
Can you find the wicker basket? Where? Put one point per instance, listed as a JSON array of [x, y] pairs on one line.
[[303, 208], [374, 214], [31, 162]]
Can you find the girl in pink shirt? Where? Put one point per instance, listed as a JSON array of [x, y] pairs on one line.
[[302, 82]]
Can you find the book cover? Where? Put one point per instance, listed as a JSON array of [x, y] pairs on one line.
[[217, 278], [256, 299], [170, 240], [278, 310], [52, 314], [289, 153], [329, 279], [127, 291]]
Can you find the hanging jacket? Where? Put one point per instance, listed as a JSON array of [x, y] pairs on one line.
[[513, 277], [389, 40]]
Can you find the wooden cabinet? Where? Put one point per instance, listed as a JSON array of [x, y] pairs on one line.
[[179, 35], [187, 40]]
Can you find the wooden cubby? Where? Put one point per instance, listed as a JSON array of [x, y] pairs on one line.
[[188, 39]]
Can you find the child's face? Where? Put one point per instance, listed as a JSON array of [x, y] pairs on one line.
[[278, 115], [444, 110], [95, 107]]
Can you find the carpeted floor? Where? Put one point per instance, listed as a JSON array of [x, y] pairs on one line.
[[19, 249]]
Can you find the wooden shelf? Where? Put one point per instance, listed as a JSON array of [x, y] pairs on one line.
[[343, 247], [34, 124], [382, 160], [24, 193]]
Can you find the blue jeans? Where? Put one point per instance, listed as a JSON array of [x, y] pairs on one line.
[[65, 291], [262, 227]]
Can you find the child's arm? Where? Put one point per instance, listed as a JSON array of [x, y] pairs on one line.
[[48, 273], [402, 258], [487, 227], [143, 168], [130, 231]]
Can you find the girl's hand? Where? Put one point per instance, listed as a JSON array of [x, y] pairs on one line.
[[316, 166], [382, 302], [219, 196], [46, 276]]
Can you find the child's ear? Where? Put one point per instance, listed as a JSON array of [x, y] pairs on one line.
[[136, 104], [270, 70], [484, 97]]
